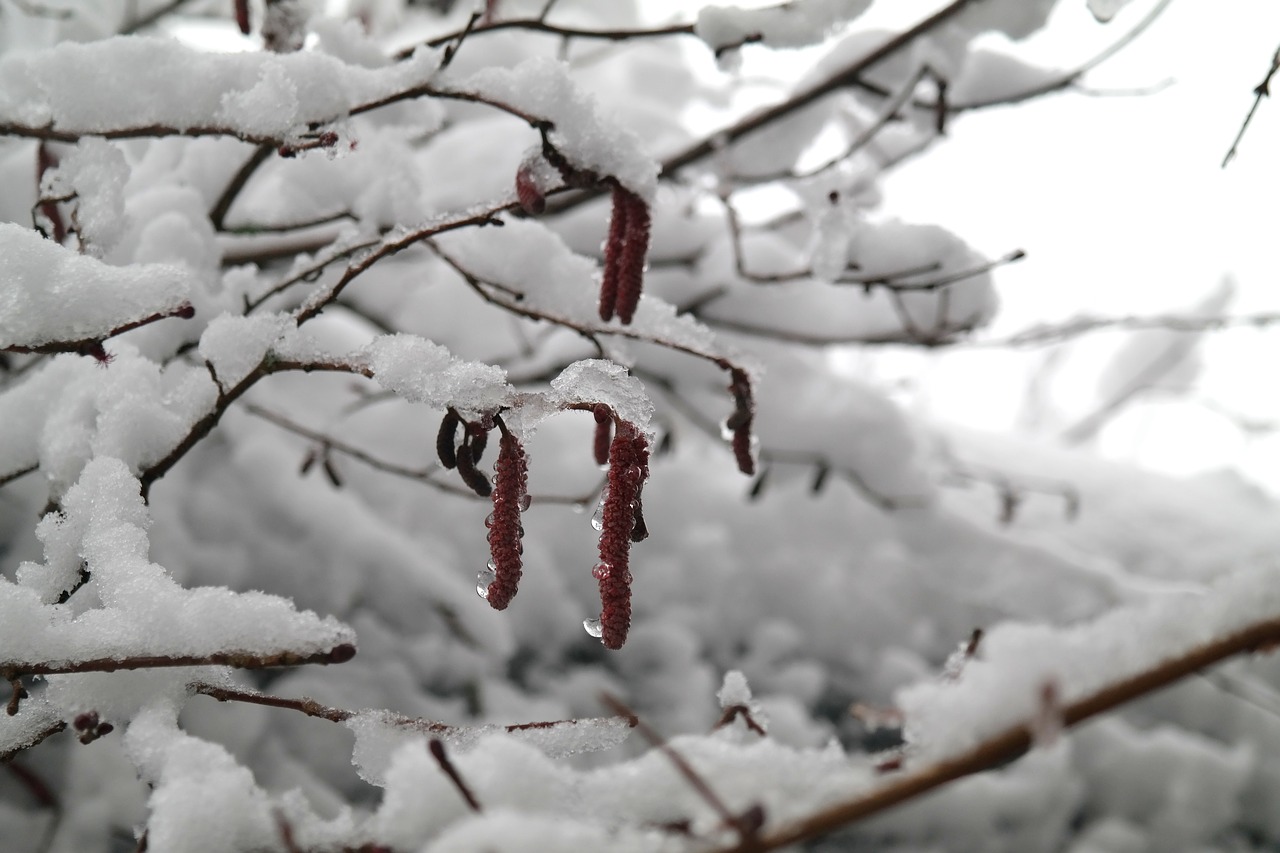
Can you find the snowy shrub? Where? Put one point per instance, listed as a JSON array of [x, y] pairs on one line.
[[317, 319]]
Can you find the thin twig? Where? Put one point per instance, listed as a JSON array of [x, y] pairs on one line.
[[1262, 90], [442, 758]]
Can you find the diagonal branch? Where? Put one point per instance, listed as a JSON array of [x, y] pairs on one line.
[[1013, 742]]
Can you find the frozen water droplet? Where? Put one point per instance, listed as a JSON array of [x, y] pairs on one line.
[[483, 579], [488, 522], [593, 627], [525, 501], [597, 519]]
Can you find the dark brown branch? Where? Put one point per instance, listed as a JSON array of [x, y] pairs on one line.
[[746, 831], [1260, 91], [241, 660], [422, 475], [93, 346], [219, 211], [5, 479], [442, 758], [1015, 741], [50, 731], [832, 84]]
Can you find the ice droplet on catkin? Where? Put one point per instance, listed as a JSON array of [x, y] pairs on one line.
[[486, 576], [593, 627]]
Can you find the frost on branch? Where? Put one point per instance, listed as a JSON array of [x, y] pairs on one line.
[[50, 295]]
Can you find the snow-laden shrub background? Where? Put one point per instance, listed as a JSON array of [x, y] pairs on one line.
[[851, 577]]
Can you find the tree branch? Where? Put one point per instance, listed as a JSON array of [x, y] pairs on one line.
[[1013, 742]]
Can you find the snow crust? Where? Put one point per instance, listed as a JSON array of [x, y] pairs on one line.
[[1003, 686], [103, 526], [50, 294]]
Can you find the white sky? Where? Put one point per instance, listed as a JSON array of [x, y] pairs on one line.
[[1123, 208]]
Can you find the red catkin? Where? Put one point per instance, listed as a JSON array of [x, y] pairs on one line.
[[628, 469], [446, 439], [242, 16], [510, 491], [604, 434], [613, 252], [634, 250]]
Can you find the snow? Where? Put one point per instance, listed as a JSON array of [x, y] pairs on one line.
[[1003, 686], [137, 82], [852, 571], [104, 523], [96, 172], [235, 345], [424, 372], [796, 24], [50, 294], [543, 88]]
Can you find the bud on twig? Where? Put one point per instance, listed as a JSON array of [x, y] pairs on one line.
[[532, 199]]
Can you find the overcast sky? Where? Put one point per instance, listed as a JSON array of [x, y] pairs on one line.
[[1123, 208]]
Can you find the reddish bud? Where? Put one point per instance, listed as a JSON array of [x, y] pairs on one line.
[[510, 490], [446, 439], [186, 311], [530, 194]]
